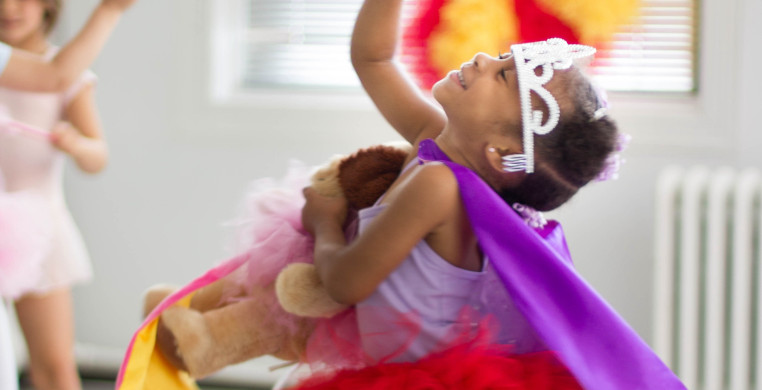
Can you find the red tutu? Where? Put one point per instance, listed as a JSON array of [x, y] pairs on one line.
[[457, 368]]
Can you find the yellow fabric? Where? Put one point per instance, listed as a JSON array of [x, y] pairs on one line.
[[593, 21], [147, 369], [470, 26]]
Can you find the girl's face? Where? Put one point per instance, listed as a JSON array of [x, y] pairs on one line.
[[482, 95], [21, 20]]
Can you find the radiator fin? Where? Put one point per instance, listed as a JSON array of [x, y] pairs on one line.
[[707, 277]]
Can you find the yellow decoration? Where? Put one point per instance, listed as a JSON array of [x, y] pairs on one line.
[[470, 26], [147, 368], [593, 21]]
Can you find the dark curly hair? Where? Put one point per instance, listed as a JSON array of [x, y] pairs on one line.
[[572, 154]]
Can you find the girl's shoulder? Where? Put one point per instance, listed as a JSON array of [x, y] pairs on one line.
[[429, 182], [434, 172]]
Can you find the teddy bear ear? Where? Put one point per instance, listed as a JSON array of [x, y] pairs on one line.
[[368, 173], [326, 179]]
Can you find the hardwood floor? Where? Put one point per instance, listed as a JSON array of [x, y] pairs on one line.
[[108, 384]]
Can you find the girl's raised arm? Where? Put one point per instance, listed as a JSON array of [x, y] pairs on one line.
[[374, 43], [30, 72]]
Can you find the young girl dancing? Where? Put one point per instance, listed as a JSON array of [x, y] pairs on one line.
[[455, 282], [42, 253], [521, 131]]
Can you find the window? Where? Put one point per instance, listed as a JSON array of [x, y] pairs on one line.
[[304, 45], [298, 43], [655, 54]]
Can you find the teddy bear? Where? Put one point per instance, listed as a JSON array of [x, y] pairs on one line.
[[218, 330]]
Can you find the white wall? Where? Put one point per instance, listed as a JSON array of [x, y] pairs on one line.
[[155, 214]]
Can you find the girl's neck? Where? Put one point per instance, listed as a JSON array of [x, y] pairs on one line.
[[35, 43], [452, 148]]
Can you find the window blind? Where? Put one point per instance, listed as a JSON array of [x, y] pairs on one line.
[[304, 44], [299, 44], [656, 53]]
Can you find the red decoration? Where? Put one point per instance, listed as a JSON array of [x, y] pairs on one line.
[[536, 24], [415, 48]]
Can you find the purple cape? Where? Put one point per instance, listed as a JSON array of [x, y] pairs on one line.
[[591, 339]]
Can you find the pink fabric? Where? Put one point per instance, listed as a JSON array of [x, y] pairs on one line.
[[269, 230], [270, 226], [24, 241]]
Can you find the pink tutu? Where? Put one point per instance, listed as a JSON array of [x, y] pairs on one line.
[[270, 231], [25, 235], [270, 226]]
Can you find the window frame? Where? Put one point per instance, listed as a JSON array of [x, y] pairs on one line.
[[703, 121]]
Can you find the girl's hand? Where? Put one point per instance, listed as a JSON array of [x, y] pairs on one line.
[[65, 137], [319, 209], [120, 5]]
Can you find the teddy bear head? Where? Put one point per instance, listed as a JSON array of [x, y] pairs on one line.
[[363, 176]]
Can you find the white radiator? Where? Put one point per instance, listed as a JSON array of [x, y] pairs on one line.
[[708, 295]]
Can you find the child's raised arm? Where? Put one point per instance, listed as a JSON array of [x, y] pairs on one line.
[[30, 72], [374, 42]]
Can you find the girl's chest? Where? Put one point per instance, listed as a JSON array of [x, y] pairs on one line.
[[41, 110], [28, 159]]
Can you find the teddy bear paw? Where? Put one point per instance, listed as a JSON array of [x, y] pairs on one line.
[[300, 292], [154, 295], [190, 339]]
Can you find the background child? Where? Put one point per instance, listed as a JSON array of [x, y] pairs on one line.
[[528, 127], [31, 166]]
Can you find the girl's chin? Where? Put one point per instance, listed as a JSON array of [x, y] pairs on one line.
[[9, 39], [435, 90]]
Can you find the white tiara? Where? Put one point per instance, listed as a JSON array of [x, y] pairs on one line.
[[554, 53]]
